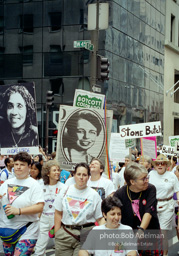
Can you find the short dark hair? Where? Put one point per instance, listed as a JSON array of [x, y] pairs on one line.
[[7, 161], [83, 114], [23, 157], [101, 164], [39, 167], [46, 170], [82, 165], [109, 203]]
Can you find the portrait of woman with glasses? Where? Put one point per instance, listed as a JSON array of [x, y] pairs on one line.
[[166, 184]]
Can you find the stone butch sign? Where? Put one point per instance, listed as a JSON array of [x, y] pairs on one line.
[[140, 130]]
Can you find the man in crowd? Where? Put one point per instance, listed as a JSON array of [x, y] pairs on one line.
[[8, 171], [103, 186], [121, 173], [146, 161]]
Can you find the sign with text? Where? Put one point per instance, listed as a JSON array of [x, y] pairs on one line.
[[85, 99], [81, 135], [173, 140], [140, 130], [81, 43], [168, 150], [117, 149], [149, 147], [130, 143]]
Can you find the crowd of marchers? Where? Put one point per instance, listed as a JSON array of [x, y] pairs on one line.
[[39, 202]]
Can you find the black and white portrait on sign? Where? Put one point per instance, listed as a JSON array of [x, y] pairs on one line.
[[81, 135], [18, 122]]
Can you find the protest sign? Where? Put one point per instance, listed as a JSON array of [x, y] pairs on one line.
[[173, 140], [85, 99], [18, 119], [140, 130], [130, 143], [168, 150], [149, 146], [81, 135], [117, 149]]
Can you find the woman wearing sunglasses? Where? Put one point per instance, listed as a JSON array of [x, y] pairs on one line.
[[166, 184]]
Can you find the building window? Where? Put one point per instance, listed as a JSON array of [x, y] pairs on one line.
[[26, 23], [56, 54], [2, 50], [1, 24], [172, 28], [176, 95], [55, 21], [27, 52]]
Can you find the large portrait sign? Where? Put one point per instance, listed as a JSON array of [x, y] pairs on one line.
[[18, 119], [81, 135]]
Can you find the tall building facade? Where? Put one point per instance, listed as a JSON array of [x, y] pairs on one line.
[[36, 44], [171, 71]]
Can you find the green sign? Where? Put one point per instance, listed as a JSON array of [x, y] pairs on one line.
[[130, 143], [85, 101], [89, 46], [173, 142], [81, 43]]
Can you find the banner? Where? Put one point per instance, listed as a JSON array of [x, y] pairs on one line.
[[85, 99], [117, 149], [140, 130], [149, 147], [81, 135], [18, 119]]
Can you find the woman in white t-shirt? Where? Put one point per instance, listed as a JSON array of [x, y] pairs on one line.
[[77, 207], [166, 184], [22, 197], [51, 187], [99, 241]]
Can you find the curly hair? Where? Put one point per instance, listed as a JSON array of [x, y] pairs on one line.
[[30, 103], [46, 170]]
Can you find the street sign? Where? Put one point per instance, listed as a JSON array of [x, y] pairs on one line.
[[81, 43], [96, 88], [89, 46]]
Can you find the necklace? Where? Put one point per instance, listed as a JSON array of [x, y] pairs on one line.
[[16, 143], [133, 202]]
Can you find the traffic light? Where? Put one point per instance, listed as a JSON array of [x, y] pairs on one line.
[[49, 98], [102, 68]]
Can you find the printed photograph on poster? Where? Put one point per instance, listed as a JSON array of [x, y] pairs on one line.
[[18, 119], [81, 135]]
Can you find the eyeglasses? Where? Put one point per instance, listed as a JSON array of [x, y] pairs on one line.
[[146, 178], [160, 163]]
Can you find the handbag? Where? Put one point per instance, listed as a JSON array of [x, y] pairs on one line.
[[11, 236]]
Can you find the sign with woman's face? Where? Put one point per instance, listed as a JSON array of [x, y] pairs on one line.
[[16, 110], [81, 135], [18, 119]]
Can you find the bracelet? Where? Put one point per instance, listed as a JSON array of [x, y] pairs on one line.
[[140, 228], [19, 211]]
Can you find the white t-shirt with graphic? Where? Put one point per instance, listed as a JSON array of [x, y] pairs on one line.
[[166, 184], [91, 242], [50, 193], [103, 186], [79, 206], [20, 194]]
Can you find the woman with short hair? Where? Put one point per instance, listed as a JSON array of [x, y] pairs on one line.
[[139, 200], [77, 207]]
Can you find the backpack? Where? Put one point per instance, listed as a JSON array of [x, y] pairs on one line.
[[4, 170]]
